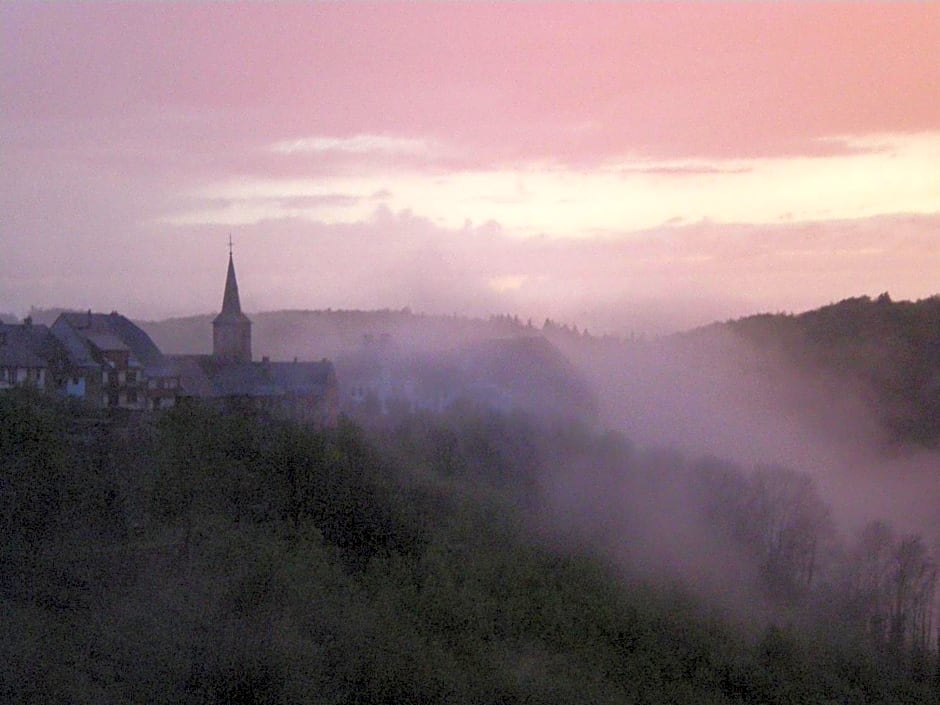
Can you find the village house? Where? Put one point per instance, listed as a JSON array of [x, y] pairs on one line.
[[29, 356], [114, 364], [108, 362]]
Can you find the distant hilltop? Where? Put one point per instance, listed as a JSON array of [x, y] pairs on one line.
[[889, 348], [293, 333]]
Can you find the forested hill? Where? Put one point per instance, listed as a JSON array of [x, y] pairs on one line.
[[194, 557], [889, 348]]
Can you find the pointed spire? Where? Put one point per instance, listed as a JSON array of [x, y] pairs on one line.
[[231, 329], [231, 305]]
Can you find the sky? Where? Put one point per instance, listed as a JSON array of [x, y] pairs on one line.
[[624, 167]]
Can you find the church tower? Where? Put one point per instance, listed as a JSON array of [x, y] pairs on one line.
[[231, 329]]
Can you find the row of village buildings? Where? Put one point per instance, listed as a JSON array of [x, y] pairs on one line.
[[106, 361]]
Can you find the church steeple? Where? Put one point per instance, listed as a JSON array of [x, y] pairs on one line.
[[231, 306], [231, 329]]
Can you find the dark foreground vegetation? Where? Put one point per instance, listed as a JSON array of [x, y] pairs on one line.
[[197, 558]]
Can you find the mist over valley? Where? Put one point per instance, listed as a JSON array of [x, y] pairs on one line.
[[375, 354], [779, 471]]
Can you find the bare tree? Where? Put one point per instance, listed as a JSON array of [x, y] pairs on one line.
[[785, 520], [913, 590], [893, 583]]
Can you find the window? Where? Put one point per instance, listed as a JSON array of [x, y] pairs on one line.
[[131, 377], [131, 396], [113, 399]]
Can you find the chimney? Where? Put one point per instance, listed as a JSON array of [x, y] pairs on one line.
[[28, 321]]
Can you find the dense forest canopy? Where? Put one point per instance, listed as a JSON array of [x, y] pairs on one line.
[[197, 557], [479, 555]]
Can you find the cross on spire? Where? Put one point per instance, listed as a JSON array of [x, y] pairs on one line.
[[230, 244]]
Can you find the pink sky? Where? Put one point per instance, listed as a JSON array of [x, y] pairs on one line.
[[621, 166]]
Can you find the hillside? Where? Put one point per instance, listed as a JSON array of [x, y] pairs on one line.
[[206, 558], [889, 348]]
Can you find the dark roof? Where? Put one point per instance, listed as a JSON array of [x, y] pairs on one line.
[[231, 305], [107, 342], [244, 379], [301, 377], [205, 375], [193, 378], [106, 331], [26, 345]]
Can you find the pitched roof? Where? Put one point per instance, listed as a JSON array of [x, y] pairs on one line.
[[25, 345], [107, 342], [231, 305], [193, 378], [301, 377], [105, 331], [206, 376]]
